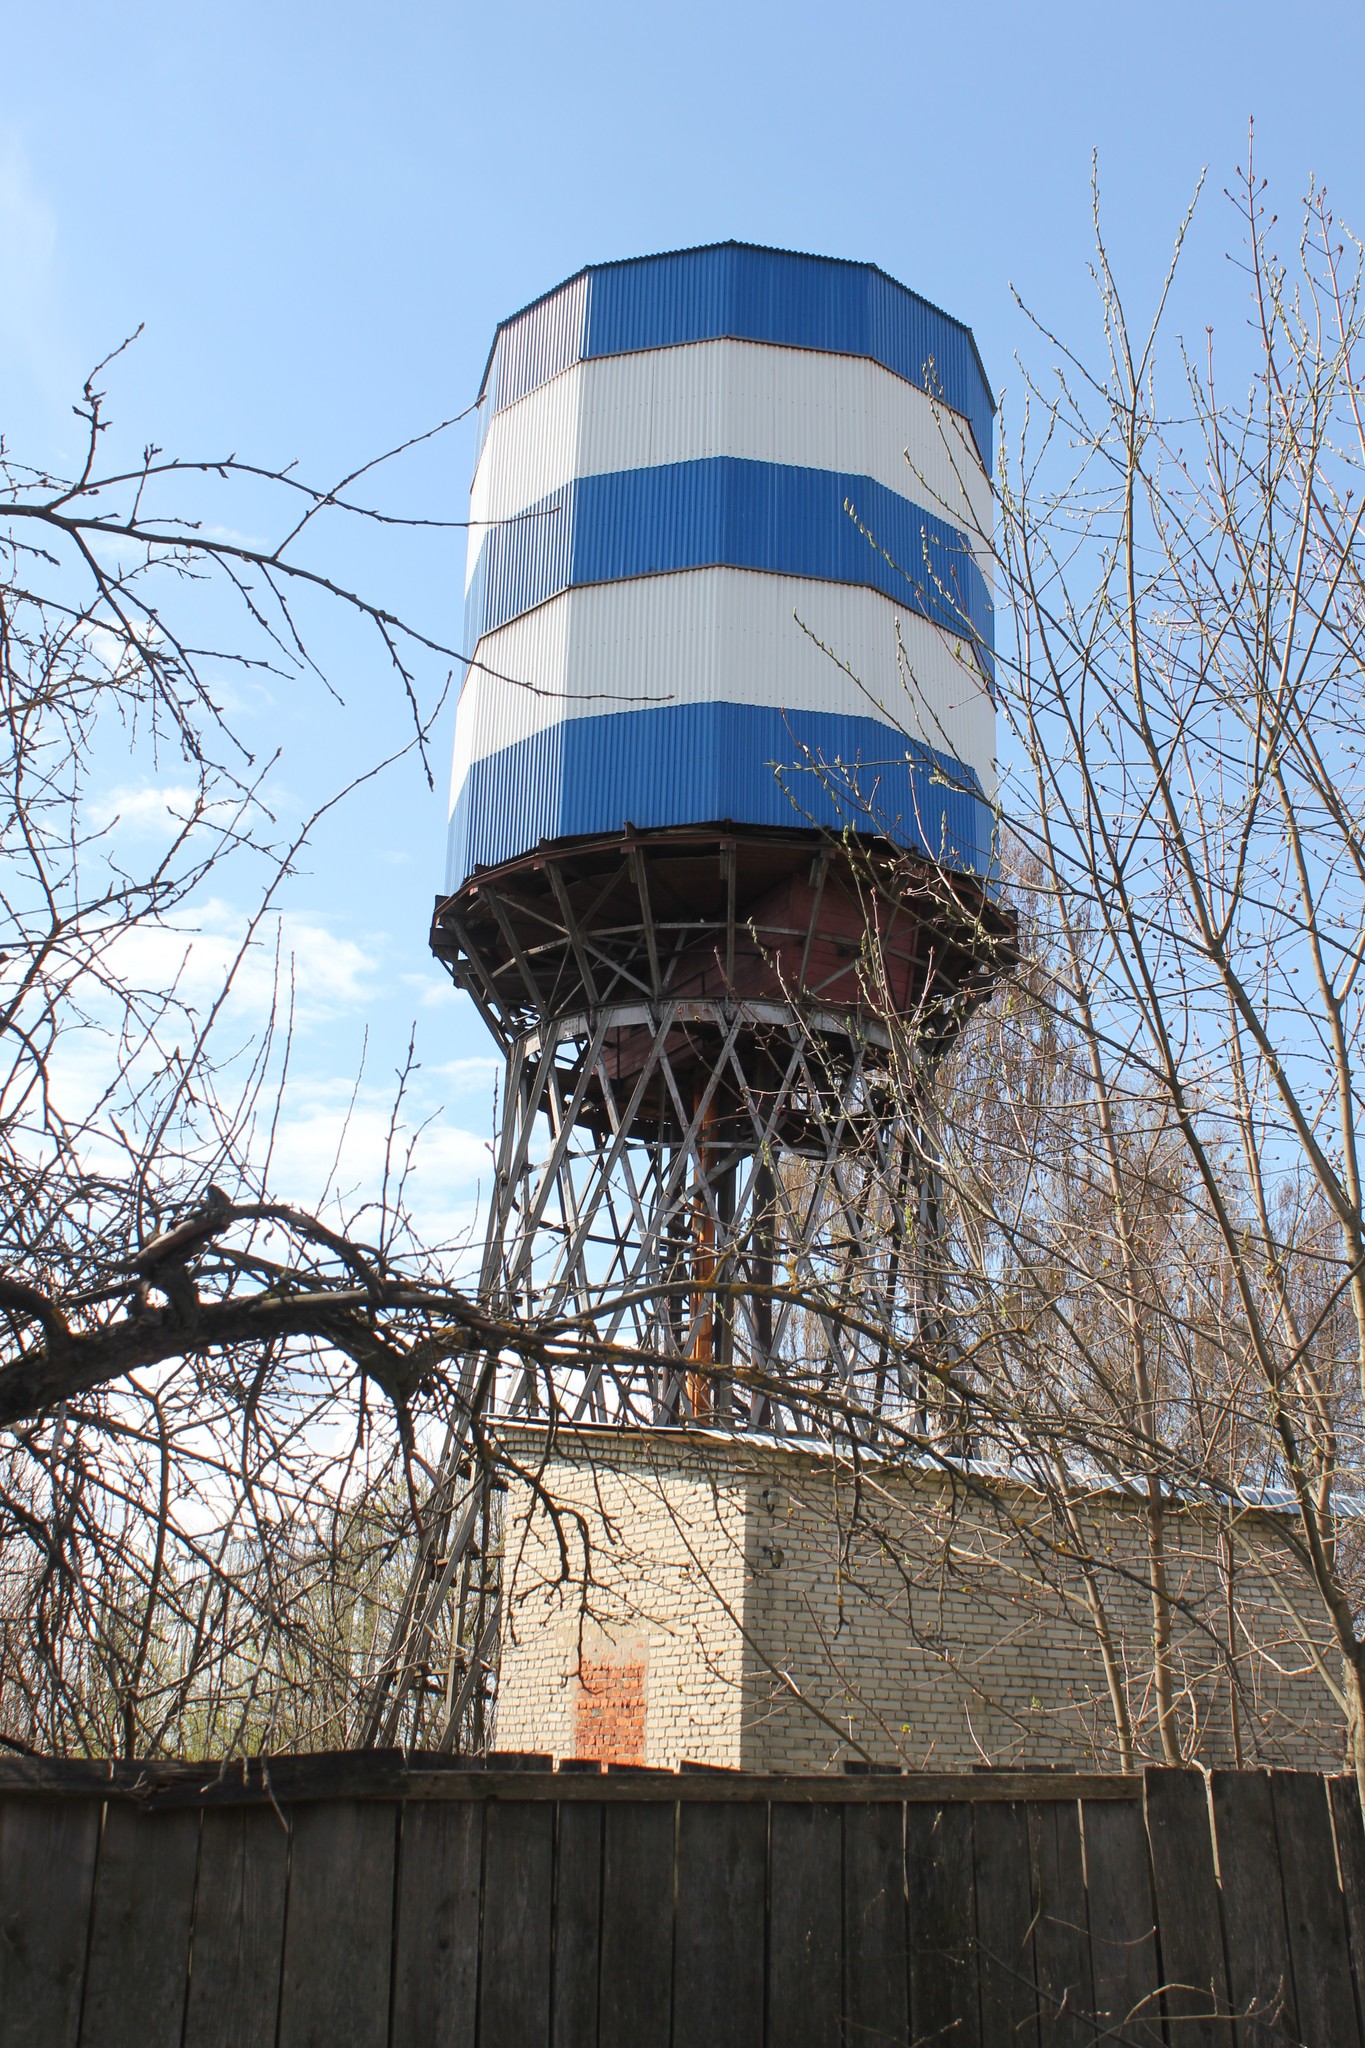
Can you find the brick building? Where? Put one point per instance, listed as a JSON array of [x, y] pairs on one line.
[[759, 1604]]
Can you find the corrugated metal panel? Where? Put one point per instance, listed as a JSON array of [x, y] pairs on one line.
[[701, 763], [521, 564], [518, 683], [749, 515], [748, 294], [532, 453], [540, 342], [760, 403], [730, 636]]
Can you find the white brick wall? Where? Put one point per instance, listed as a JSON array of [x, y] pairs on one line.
[[788, 1616]]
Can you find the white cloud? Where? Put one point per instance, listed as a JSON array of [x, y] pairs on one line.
[[233, 538], [155, 808], [118, 552], [194, 956], [439, 993], [242, 695], [332, 1142], [330, 1158], [474, 1072], [326, 1140]]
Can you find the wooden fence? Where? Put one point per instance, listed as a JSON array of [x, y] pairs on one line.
[[361, 1901]]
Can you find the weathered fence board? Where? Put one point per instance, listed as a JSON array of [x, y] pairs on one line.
[[1349, 1831], [137, 1970], [384, 1774], [47, 1873], [518, 1896], [527, 1908], [1259, 1981], [1061, 1933], [578, 1926], [635, 1987], [338, 1926], [436, 1935], [718, 1939], [1004, 1927], [876, 1950], [1123, 1952], [1193, 1975], [1313, 1910], [234, 1995], [805, 1927], [943, 1980]]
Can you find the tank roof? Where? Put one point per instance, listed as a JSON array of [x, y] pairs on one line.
[[978, 405]]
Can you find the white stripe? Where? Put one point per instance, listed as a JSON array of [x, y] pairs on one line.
[[738, 398], [723, 636]]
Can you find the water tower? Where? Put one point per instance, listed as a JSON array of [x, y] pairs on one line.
[[721, 826]]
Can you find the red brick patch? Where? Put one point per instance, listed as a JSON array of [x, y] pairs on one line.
[[609, 1713]]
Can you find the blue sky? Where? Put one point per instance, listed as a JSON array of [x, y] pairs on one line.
[[320, 213]]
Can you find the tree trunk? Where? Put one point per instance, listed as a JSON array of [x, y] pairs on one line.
[[1354, 1674], [1161, 1627]]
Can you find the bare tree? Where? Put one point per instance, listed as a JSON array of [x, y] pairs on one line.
[[213, 1399], [1183, 586], [1145, 1262]]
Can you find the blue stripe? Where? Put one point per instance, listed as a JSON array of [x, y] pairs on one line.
[[739, 764], [725, 512], [736, 292]]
